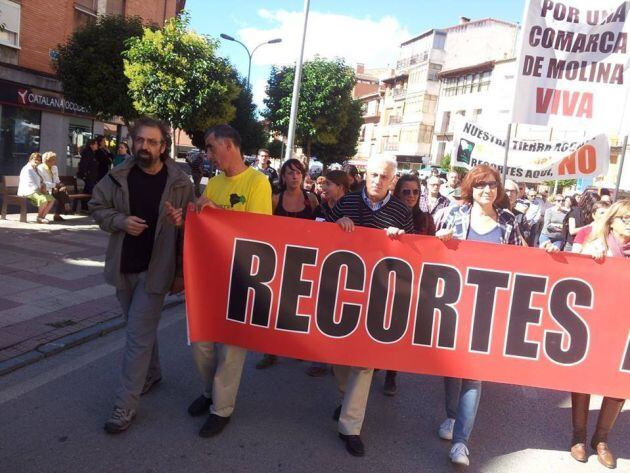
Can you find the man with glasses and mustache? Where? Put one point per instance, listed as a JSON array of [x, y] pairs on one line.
[[433, 200], [144, 256]]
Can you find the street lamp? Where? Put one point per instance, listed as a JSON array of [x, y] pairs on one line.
[[249, 68]]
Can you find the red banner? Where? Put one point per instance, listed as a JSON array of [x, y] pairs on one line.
[[307, 290]]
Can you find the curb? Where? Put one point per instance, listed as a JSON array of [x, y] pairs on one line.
[[64, 343]]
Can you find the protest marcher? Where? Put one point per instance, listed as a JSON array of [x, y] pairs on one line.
[[610, 238], [372, 207], [122, 154], [103, 157], [319, 187], [517, 208], [452, 183], [31, 185], [534, 216], [599, 211], [144, 256], [551, 233], [578, 217], [264, 165], [309, 183], [195, 162], [433, 201], [50, 174], [292, 201], [569, 203], [477, 220], [88, 166], [243, 189], [356, 183], [336, 185]]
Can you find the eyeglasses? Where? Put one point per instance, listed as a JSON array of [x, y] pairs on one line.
[[624, 218], [139, 141], [483, 184], [408, 192]]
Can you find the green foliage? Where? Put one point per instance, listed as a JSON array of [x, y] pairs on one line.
[[252, 131], [275, 148], [90, 66], [176, 75], [328, 118], [445, 166], [561, 184]]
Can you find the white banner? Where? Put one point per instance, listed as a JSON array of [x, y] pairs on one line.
[[530, 161], [573, 66]]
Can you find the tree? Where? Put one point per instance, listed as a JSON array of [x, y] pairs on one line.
[[445, 165], [252, 131], [327, 114], [176, 75], [90, 66]]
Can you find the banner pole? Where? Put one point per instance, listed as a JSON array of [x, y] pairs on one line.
[[620, 172], [507, 151]]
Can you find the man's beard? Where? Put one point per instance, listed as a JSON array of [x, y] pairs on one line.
[[145, 159]]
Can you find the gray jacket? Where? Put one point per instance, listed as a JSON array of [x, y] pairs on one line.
[[109, 206]]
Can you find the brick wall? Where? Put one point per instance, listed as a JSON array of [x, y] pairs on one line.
[[47, 23]]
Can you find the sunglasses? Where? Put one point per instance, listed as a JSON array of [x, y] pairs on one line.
[[408, 192], [483, 184]]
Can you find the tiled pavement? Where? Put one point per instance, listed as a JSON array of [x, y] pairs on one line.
[[52, 287]]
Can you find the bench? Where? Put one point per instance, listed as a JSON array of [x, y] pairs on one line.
[[73, 192], [10, 197]]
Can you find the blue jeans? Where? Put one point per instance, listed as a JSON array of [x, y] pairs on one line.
[[554, 242], [462, 401]]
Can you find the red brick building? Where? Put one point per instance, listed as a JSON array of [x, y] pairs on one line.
[[33, 114]]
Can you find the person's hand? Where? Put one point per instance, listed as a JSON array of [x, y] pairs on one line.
[[134, 226], [178, 285], [203, 202], [173, 215], [550, 247], [394, 233], [444, 235], [598, 255], [346, 224]]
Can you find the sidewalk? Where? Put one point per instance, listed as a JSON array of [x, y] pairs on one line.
[[52, 291]]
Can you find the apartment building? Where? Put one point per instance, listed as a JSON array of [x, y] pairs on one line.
[[477, 80], [34, 116]]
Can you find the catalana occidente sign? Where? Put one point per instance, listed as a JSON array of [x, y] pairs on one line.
[[28, 97]]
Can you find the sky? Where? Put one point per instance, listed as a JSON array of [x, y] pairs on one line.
[[366, 31]]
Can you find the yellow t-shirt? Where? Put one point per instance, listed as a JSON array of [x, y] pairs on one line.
[[249, 191]]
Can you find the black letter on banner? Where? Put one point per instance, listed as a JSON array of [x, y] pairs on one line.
[[379, 291], [429, 302], [569, 320], [522, 314], [487, 283], [625, 365], [327, 297], [243, 280], [293, 286]]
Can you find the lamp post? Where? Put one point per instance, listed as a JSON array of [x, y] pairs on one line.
[[297, 82], [249, 68]]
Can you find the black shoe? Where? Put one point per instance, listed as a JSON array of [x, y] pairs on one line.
[[214, 425], [200, 406], [337, 413], [390, 384], [354, 445]]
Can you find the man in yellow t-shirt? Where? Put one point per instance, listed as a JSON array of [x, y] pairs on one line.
[[243, 189]]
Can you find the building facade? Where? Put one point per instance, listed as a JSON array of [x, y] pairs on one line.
[[34, 116]]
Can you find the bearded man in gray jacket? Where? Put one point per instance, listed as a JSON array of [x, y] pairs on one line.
[[144, 255]]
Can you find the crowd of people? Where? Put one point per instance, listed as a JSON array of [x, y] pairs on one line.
[[143, 205], [40, 183]]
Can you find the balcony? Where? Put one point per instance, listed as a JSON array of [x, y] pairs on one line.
[[391, 146], [399, 93], [394, 120]]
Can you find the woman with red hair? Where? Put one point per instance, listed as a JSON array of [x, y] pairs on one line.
[[478, 219]]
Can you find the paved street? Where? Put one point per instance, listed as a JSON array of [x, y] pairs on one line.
[[52, 414]]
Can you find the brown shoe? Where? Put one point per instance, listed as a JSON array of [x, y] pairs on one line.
[[604, 455], [578, 451]]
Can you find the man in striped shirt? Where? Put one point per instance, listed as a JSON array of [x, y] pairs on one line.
[[373, 207]]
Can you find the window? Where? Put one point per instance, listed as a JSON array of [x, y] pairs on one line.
[[466, 84], [117, 7], [19, 137], [84, 13], [10, 17], [91, 5]]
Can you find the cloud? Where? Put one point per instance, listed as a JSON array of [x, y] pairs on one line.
[[373, 42], [258, 92]]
